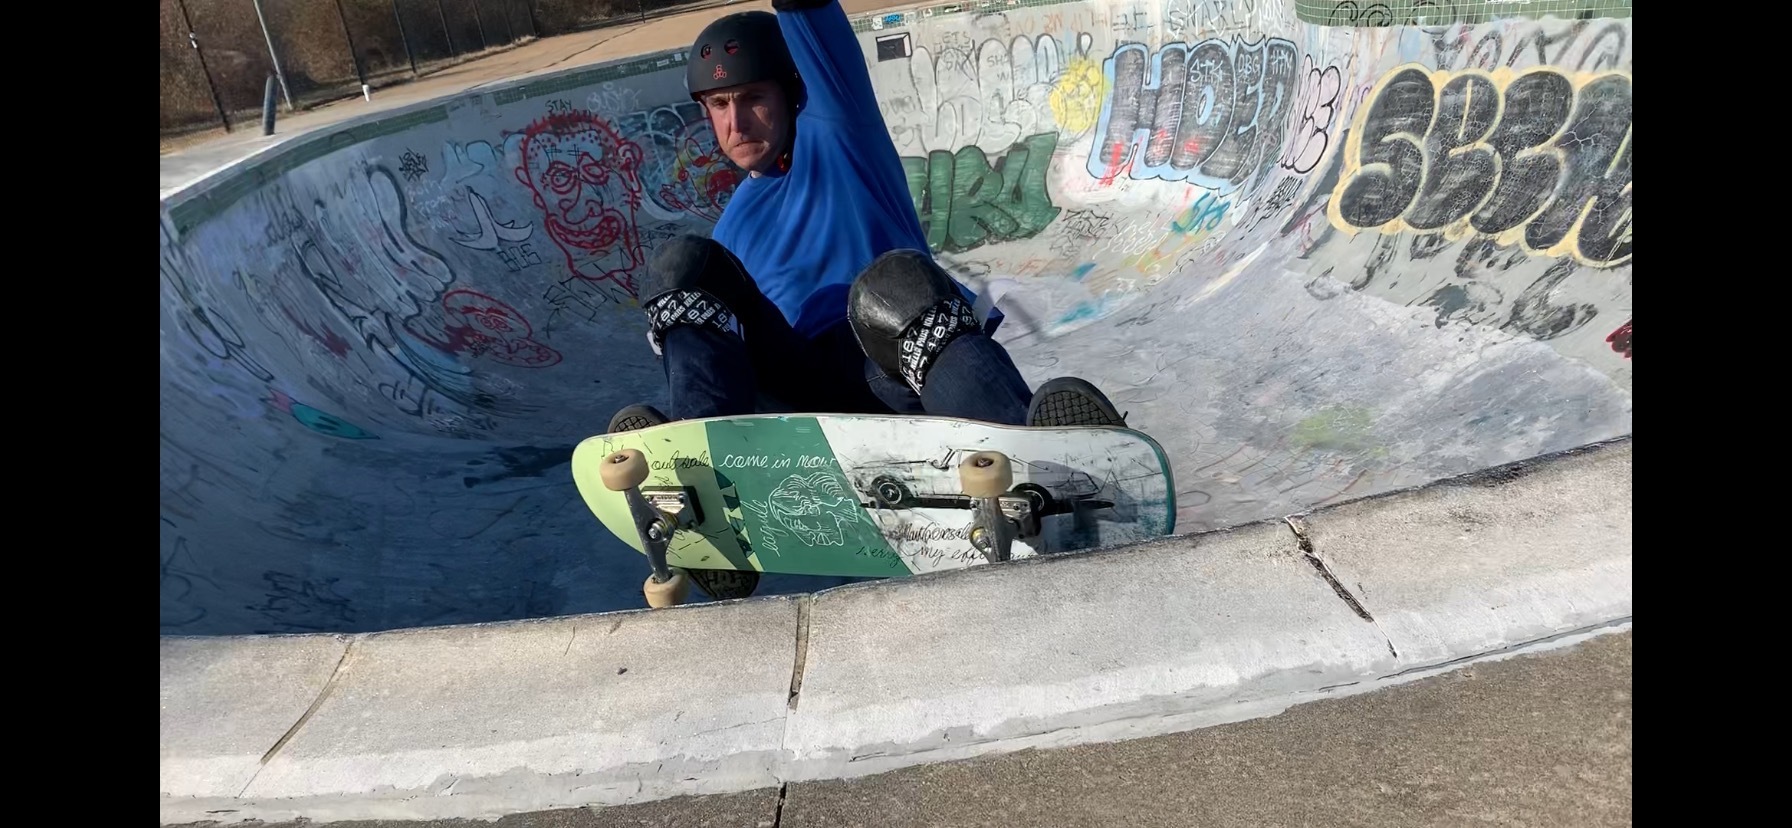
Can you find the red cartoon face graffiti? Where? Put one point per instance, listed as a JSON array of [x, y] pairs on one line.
[[483, 326], [587, 182]]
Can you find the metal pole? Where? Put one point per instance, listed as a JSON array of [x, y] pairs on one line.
[[352, 54], [267, 106], [480, 19], [278, 72], [402, 40], [445, 32], [193, 38]]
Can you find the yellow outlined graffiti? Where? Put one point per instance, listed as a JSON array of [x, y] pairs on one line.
[[1538, 157]]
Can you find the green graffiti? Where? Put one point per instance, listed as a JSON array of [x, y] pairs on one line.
[[965, 201], [1348, 429]]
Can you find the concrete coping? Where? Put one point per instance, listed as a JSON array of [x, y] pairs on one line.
[[482, 720]]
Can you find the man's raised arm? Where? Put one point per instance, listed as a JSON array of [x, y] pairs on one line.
[[828, 56]]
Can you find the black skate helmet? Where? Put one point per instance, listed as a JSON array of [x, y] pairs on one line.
[[741, 48]]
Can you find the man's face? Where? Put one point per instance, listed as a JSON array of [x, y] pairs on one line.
[[752, 123]]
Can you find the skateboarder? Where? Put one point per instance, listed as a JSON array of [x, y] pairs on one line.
[[817, 288]]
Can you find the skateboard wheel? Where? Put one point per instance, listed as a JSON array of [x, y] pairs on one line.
[[623, 470], [669, 594], [985, 474]]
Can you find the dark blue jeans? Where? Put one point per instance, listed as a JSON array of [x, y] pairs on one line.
[[716, 374]]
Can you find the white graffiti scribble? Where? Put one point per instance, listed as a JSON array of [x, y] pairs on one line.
[[1185, 19], [949, 95], [613, 98], [491, 232], [1275, 16], [1315, 110], [463, 161]]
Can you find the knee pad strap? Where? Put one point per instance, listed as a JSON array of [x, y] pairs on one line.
[[687, 307], [923, 341]]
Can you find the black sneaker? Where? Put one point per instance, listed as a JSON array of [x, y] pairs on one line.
[[725, 584], [1068, 401], [635, 418]]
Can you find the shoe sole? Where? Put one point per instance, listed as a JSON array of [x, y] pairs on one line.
[[1073, 408], [632, 423], [635, 418]]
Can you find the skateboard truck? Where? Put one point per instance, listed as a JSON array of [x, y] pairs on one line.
[[657, 513], [999, 517]]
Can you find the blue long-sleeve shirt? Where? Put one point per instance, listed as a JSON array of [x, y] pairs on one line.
[[805, 235]]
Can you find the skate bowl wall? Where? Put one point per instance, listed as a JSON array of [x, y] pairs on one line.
[[1319, 251]]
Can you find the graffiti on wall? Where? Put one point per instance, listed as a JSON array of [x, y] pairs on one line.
[[586, 180], [698, 180], [491, 234], [1316, 107], [319, 420], [1186, 17], [602, 187], [1212, 113], [1576, 45], [683, 172], [1620, 339], [413, 165], [1479, 282], [1535, 156], [1077, 94], [480, 325], [1190, 227], [598, 191], [208, 328], [367, 270], [966, 200], [957, 92]]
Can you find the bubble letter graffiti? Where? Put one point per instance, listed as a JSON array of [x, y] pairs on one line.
[[965, 201], [1535, 156], [1212, 113]]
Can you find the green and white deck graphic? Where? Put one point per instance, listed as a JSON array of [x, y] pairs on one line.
[[877, 496]]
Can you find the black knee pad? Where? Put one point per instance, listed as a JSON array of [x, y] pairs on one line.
[[905, 310], [693, 281]]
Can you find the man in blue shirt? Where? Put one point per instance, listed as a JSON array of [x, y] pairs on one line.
[[816, 288]]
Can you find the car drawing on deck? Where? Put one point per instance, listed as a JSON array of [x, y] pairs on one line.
[[904, 484]]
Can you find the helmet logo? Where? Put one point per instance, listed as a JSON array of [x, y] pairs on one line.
[[719, 73]]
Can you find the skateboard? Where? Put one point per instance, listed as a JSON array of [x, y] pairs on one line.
[[866, 496]]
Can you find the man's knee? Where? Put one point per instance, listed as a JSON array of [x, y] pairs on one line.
[[692, 262], [696, 281], [905, 309]]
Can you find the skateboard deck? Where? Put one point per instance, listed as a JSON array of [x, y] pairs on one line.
[[873, 496]]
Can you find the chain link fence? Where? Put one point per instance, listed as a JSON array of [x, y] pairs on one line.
[[218, 56]]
